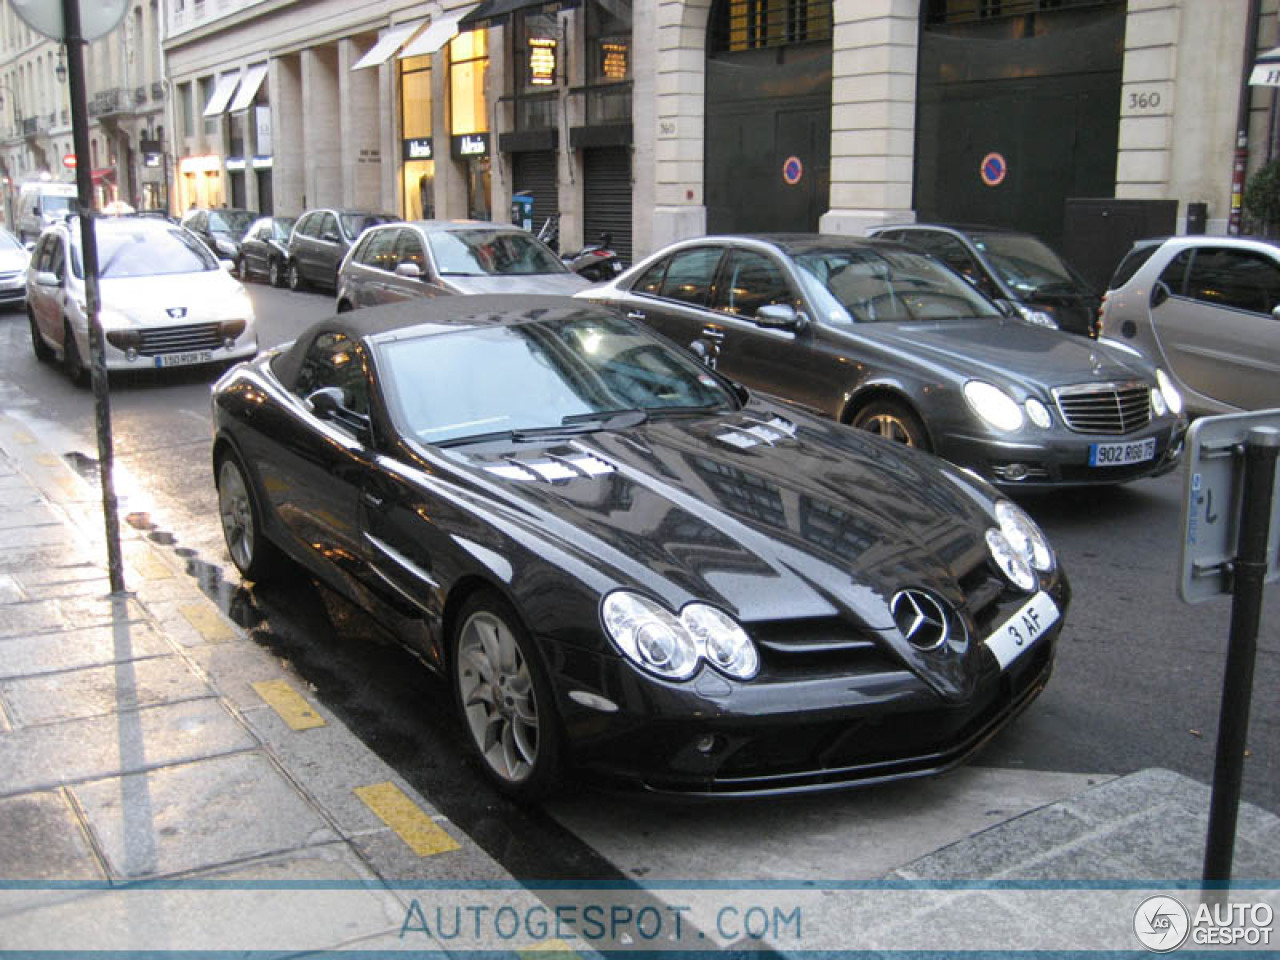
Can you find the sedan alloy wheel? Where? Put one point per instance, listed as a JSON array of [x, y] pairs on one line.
[[274, 273], [893, 422], [295, 277]]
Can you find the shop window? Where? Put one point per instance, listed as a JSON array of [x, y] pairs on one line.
[[418, 171], [756, 24], [608, 59], [468, 65]]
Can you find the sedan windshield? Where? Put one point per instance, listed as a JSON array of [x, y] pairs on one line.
[[354, 224], [146, 253], [478, 253], [866, 285], [572, 374], [1027, 265], [281, 227], [233, 222]]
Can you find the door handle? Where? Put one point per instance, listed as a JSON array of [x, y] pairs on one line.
[[372, 500], [635, 315]]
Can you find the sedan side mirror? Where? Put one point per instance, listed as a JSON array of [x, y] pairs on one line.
[[1160, 292], [779, 316], [409, 269]]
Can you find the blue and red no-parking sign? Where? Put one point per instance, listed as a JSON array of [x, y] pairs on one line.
[[993, 169], [792, 170]]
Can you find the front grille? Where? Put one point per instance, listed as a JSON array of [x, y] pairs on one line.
[[196, 336], [1115, 408]]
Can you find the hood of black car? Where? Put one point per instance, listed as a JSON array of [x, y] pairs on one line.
[[1006, 350]]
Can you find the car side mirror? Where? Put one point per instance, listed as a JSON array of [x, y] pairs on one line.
[[47, 278], [1160, 292], [30, 245], [409, 269], [227, 265], [326, 402], [779, 316], [1275, 312]]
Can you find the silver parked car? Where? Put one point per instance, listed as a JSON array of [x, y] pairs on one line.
[[166, 300], [13, 270], [431, 258], [1206, 309]]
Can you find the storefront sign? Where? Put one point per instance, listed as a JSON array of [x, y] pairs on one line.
[[613, 64], [235, 163], [262, 163], [471, 145], [417, 148], [542, 61], [262, 123]]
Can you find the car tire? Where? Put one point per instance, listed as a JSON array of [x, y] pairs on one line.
[[77, 372], [275, 273], [296, 283], [44, 353], [256, 557], [893, 421], [242, 270], [504, 698]]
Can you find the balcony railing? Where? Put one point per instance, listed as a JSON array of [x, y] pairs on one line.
[[537, 111], [112, 101]]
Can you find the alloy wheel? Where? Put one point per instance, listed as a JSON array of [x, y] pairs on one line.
[[890, 427], [236, 511], [273, 273], [497, 696]]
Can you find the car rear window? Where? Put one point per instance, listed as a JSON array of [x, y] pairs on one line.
[[1130, 265]]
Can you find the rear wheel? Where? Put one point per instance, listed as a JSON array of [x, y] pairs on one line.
[[505, 699], [252, 553], [242, 269], [44, 353], [893, 421], [71, 362]]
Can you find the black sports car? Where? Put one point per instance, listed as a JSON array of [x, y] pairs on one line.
[[623, 561]]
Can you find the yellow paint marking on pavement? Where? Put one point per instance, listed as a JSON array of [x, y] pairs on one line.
[[21, 436], [48, 460], [70, 488], [291, 705], [423, 835], [546, 950], [207, 622], [148, 566]]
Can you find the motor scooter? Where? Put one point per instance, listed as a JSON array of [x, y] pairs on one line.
[[596, 262]]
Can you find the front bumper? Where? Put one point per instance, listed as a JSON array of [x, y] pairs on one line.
[[1060, 458], [178, 353], [711, 737]]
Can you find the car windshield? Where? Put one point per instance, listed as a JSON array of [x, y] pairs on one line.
[[354, 224], [868, 285], [574, 373], [478, 253], [52, 203], [281, 227], [234, 222], [148, 253], [1027, 265]]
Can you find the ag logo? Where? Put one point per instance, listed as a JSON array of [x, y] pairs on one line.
[[1161, 924]]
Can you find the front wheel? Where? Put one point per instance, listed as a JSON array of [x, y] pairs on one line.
[[275, 273], [252, 553], [242, 269], [44, 352], [295, 277], [77, 372], [893, 421], [505, 699]]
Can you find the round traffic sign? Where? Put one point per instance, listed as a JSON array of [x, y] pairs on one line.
[[69, 161], [792, 170], [993, 169]]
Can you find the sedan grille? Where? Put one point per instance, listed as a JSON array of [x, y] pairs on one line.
[[196, 336], [1105, 407]]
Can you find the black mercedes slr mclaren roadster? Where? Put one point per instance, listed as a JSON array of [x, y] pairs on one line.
[[623, 562]]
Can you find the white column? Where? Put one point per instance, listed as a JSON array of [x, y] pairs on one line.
[[321, 127], [361, 127], [873, 113], [669, 73], [288, 166]]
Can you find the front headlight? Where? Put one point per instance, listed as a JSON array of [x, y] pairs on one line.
[[1011, 561], [1024, 535], [993, 405], [1172, 398], [672, 647], [1038, 413], [1039, 318]]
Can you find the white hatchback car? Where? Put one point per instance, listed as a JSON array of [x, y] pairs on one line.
[[1207, 309], [166, 301]]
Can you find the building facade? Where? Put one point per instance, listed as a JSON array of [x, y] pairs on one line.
[[126, 102]]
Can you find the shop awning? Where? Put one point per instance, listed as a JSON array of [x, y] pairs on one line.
[[1266, 70], [443, 29], [388, 44], [103, 175], [217, 104], [253, 78], [493, 12]]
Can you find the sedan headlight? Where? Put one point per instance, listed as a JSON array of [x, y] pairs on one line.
[[1039, 318], [993, 405], [672, 647], [1038, 413], [1172, 398], [1024, 535]]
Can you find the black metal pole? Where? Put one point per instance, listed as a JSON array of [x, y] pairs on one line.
[[1240, 163], [1260, 451], [89, 253]]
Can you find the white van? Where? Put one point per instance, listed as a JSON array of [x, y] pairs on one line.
[[41, 203]]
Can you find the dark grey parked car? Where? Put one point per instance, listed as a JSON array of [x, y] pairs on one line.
[[1012, 268], [319, 241], [221, 229], [430, 258], [265, 250], [886, 338]]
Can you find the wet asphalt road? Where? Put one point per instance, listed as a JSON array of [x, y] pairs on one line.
[[1137, 682]]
